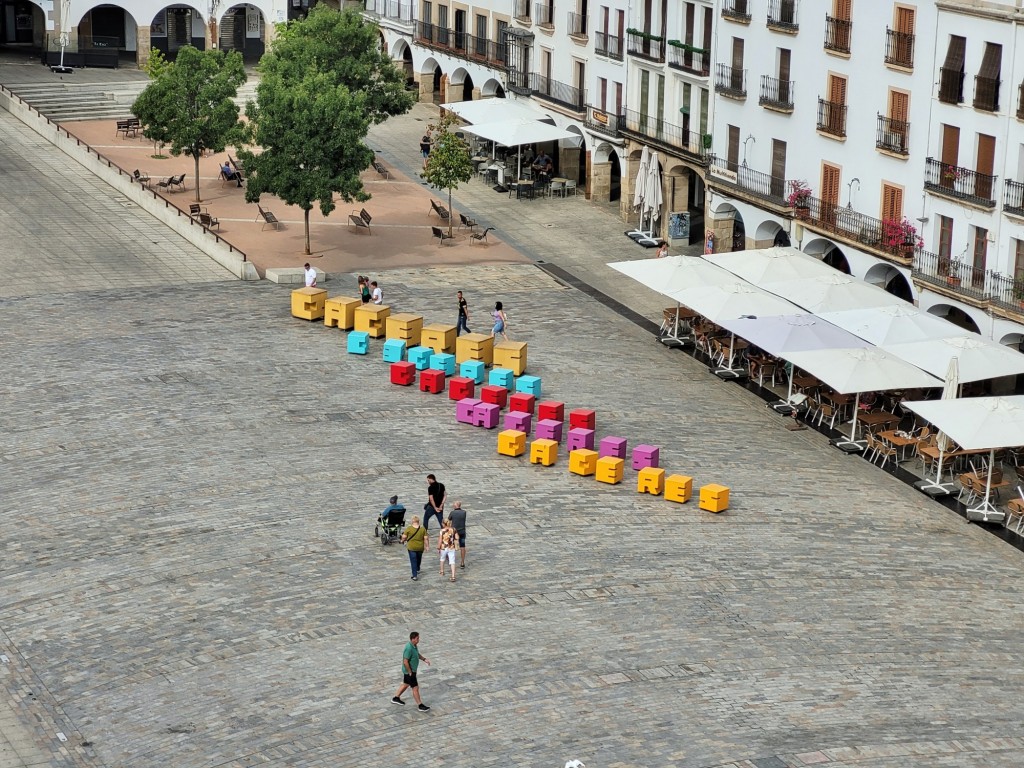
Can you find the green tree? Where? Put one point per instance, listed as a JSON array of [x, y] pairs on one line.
[[189, 104], [343, 46], [449, 163], [311, 135], [156, 64]]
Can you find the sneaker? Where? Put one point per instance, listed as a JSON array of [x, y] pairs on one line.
[[396, 700], [414, 578], [423, 708], [462, 566]]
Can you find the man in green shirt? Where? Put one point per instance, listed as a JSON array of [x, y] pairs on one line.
[[410, 663]]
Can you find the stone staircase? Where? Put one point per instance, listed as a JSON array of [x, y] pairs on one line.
[[65, 102]]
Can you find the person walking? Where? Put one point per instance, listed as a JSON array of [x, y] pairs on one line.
[[436, 497], [364, 290], [416, 539], [463, 315], [410, 663], [425, 148], [447, 541], [376, 294], [500, 321], [458, 520], [310, 274]]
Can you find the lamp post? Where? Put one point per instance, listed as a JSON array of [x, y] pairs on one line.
[[213, 10]]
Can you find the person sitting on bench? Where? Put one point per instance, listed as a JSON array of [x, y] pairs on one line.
[[229, 173]]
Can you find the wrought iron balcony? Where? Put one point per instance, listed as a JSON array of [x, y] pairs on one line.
[[782, 15], [544, 14], [609, 45], [389, 9], [461, 45], [951, 86], [899, 48], [959, 183], [650, 47], [688, 58], [605, 122], [986, 93], [737, 10], [760, 185], [892, 135], [653, 130], [731, 82], [832, 118], [855, 226], [775, 93], [558, 93], [521, 11], [1013, 198], [837, 34], [578, 24], [1005, 293], [952, 276]]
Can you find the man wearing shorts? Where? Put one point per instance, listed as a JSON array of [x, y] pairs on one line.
[[410, 663], [446, 544], [458, 519]]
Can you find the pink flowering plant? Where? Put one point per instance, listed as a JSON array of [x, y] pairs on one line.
[[900, 232], [799, 194]]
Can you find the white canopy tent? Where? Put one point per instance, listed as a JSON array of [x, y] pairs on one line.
[[832, 293], [894, 324], [515, 133], [770, 265], [491, 110], [977, 423], [979, 358]]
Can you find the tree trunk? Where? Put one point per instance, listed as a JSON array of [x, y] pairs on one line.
[[306, 217], [450, 222], [196, 158]]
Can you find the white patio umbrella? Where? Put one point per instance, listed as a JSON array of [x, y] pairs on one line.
[[493, 110], [770, 265], [516, 132], [832, 293], [949, 392], [979, 358], [65, 37], [977, 423], [639, 188], [894, 324], [653, 199], [853, 371]]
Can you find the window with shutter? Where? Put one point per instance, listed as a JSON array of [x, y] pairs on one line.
[[951, 74], [1018, 260], [892, 202], [733, 152], [950, 145], [980, 256], [842, 9], [945, 237], [983, 178], [830, 184], [986, 84], [778, 179], [905, 20]]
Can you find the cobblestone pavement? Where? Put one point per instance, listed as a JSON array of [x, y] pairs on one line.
[[190, 478]]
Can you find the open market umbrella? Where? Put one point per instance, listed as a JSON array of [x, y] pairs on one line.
[[979, 358], [832, 293], [894, 324], [761, 266]]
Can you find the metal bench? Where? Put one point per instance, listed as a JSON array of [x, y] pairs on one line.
[[361, 219], [441, 235], [268, 218], [440, 210]]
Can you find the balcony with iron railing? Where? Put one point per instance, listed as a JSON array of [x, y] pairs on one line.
[[544, 14], [602, 121], [655, 131], [461, 45], [606, 44], [389, 9], [688, 58], [578, 24], [951, 86], [899, 48], [645, 46], [892, 135], [776, 94], [952, 277], [986, 93], [1013, 198], [856, 227], [731, 82], [746, 181], [782, 16], [736, 10], [521, 11], [837, 34], [832, 118], [1006, 293], [958, 183], [562, 94]]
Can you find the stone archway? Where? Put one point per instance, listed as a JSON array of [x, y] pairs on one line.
[[605, 174], [891, 280], [492, 88], [573, 158], [728, 229], [107, 34], [431, 78], [23, 25], [955, 315], [401, 54], [770, 233], [829, 253], [172, 28], [243, 28]]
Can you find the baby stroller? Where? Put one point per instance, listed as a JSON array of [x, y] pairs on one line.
[[390, 523]]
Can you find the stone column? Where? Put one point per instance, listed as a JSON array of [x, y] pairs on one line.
[[476, 94], [601, 182], [426, 83], [723, 234], [143, 44]]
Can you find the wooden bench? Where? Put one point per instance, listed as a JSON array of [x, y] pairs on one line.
[[440, 210], [236, 167], [441, 235], [268, 218], [480, 237], [361, 219], [378, 166], [173, 183], [126, 127], [208, 221]]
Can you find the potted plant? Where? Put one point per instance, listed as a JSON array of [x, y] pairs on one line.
[[949, 269], [1018, 292], [900, 235], [799, 198]]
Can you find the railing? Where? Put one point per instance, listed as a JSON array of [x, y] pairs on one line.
[[521, 10], [652, 128], [832, 118], [390, 9], [578, 24], [964, 279], [1013, 197], [892, 135], [837, 34], [609, 45], [605, 122], [782, 15], [461, 44], [756, 183], [730, 81], [961, 183], [649, 47], [1003, 291], [543, 14], [899, 48], [689, 59], [737, 10], [559, 93], [986, 93], [951, 86], [776, 93]]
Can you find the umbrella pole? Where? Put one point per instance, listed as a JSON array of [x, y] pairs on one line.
[[789, 393], [732, 341], [938, 475], [987, 509], [853, 427]]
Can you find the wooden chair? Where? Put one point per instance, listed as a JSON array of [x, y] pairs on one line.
[[827, 411], [440, 210], [441, 235], [141, 176], [194, 209], [176, 183], [268, 218], [465, 221], [480, 237], [1015, 508], [208, 221], [361, 219]]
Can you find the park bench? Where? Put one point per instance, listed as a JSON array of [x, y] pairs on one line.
[[465, 221], [126, 127], [236, 167], [441, 235], [379, 167], [440, 210], [361, 219], [268, 218], [480, 237], [173, 183]]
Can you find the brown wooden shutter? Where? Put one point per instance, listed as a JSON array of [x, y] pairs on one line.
[[980, 255], [905, 20], [899, 106], [991, 62], [892, 202], [955, 53], [778, 180], [986, 154], [837, 89], [733, 152], [737, 53], [784, 64], [708, 26], [690, 11], [842, 9], [830, 184], [950, 145]]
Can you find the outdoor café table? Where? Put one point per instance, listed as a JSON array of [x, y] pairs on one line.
[[883, 419], [900, 441], [841, 402], [804, 381]]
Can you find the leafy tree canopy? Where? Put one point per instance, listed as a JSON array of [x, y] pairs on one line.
[[449, 163]]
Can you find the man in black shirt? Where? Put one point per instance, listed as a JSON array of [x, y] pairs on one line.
[[463, 316], [436, 497]]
